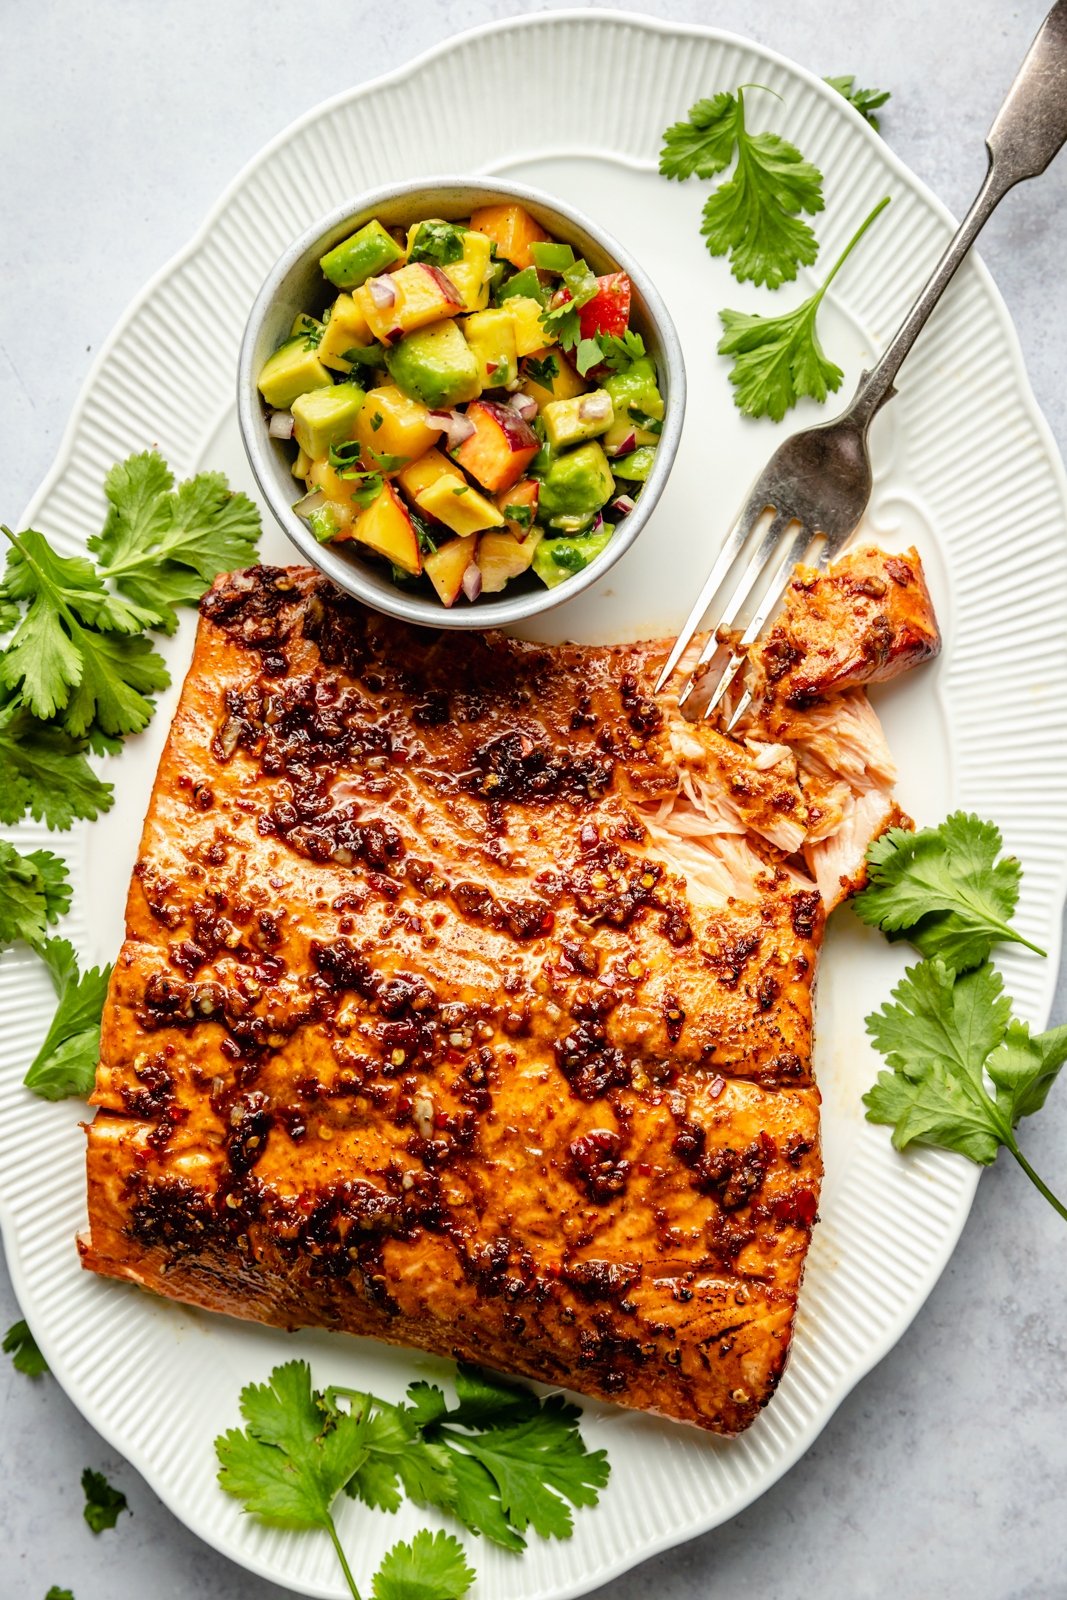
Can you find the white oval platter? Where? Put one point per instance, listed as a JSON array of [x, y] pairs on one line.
[[962, 455]]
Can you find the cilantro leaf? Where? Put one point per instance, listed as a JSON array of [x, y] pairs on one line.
[[962, 1070], [543, 370], [398, 1458], [778, 359], [432, 1567], [487, 1399], [865, 101], [293, 1458], [34, 891], [21, 1346], [561, 318], [704, 144], [55, 1593], [477, 1503], [57, 660], [754, 217], [1024, 1068], [164, 548], [936, 1038], [103, 1503], [66, 1062], [45, 772], [386, 462], [588, 355], [440, 243], [619, 351], [945, 888], [538, 1465]]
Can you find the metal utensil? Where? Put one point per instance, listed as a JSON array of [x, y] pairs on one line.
[[817, 483]]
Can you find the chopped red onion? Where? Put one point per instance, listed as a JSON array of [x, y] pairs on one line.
[[310, 502], [598, 524], [442, 420], [623, 449], [458, 428], [595, 407], [525, 405], [394, 334], [472, 581], [382, 292], [623, 505], [281, 425]]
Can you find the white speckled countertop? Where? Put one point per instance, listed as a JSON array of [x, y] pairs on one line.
[[122, 120]]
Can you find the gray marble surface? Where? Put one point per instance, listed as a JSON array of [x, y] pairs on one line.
[[120, 122]]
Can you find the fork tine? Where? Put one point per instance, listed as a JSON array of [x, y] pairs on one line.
[[734, 606], [770, 599], [736, 540]]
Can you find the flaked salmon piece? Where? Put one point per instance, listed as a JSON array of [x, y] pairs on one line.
[[466, 1000]]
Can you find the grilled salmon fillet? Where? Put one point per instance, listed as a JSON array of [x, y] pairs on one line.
[[466, 998]]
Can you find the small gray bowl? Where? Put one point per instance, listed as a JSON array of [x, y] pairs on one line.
[[296, 284]]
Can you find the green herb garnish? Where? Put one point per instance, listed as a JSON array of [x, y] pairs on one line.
[[21, 1346], [66, 1062], [438, 243], [866, 101], [779, 359], [754, 217], [34, 891], [103, 1503]]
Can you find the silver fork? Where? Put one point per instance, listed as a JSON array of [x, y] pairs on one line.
[[817, 483]]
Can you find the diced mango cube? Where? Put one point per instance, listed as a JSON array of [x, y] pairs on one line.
[[512, 229], [346, 329], [447, 564], [420, 474], [393, 424], [471, 275], [564, 382], [525, 314]]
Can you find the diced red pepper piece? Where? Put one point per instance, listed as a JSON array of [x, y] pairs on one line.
[[609, 309]]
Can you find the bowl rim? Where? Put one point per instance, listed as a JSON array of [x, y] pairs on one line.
[[420, 610]]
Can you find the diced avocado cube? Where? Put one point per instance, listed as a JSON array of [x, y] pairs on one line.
[[326, 416], [435, 365], [634, 391], [459, 507], [309, 327], [585, 416], [575, 487], [526, 284], [555, 560], [637, 465], [491, 335], [292, 370], [366, 253], [324, 522]]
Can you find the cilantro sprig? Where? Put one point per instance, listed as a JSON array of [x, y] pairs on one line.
[[289, 1463], [865, 101], [34, 892], [961, 1070], [104, 1503], [22, 1347], [948, 889], [65, 1064], [498, 1460], [756, 216], [776, 360], [79, 659]]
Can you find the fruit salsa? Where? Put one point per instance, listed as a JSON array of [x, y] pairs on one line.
[[473, 405]]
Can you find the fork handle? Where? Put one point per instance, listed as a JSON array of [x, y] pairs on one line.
[[1028, 130]]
